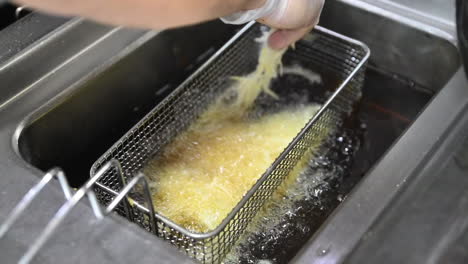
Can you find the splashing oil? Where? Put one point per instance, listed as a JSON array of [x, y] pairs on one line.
[[277, 234]]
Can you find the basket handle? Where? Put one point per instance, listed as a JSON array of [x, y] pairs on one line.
[[71, 200]]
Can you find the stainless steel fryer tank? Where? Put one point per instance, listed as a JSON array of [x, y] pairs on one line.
[[341, 59]]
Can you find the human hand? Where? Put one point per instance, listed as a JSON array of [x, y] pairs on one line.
[[293, 19]]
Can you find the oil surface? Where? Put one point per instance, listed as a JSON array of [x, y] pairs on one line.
[[207, 170], [280, 231], [388, 107]]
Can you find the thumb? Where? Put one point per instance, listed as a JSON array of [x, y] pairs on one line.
[[281, 39], [294, 14]]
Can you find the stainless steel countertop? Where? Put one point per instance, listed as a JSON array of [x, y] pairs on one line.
[[442, 9], [440, 13], [399, 232]]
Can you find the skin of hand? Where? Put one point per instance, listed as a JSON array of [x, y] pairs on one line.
[[161, 14], [300, 17]]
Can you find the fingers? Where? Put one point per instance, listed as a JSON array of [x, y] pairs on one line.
[[294, 19], [281, 39]]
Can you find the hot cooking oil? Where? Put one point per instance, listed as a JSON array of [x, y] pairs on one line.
[[278, 233], [205, 172]]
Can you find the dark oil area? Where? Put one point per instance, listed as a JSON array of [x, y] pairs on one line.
[[388, 107], [294, 91]]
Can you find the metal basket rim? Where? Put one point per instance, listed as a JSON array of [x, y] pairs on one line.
[[250, 193], [95, 167]]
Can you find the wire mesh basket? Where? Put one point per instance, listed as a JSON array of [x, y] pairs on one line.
[[340, 61]]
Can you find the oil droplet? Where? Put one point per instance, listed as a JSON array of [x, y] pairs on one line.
[[340, 198], [323, 251]]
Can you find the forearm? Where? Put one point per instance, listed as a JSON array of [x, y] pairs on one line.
[[156, 14], [293, 18]]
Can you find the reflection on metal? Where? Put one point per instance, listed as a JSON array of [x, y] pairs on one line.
[[462, 156], [32, 194], [21, 12]]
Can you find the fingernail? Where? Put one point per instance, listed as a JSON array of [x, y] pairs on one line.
[[277, 41]]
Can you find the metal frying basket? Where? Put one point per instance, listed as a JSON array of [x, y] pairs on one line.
[[322, 50]]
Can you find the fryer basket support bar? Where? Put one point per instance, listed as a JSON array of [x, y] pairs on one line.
[[71, 200]]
